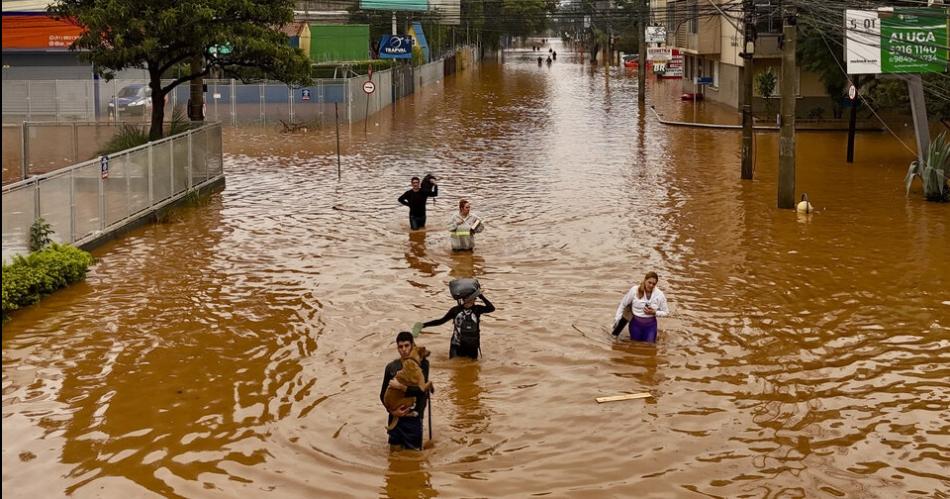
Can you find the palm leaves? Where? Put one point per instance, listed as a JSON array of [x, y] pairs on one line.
[[934, 174]]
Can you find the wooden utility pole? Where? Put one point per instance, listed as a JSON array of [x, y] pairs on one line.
[[642, 59], [747, 82], [786, 141]]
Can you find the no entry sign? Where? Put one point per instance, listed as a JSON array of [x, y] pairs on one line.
[[369, 87]]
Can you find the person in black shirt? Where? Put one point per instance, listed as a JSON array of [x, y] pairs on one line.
[[408, 431], [415, 199], [466, 322]]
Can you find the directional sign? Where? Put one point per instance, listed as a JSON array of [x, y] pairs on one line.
[[369, 87], [305, 94]]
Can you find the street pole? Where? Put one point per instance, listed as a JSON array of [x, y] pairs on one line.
[[786, 155], [852, 120], [395, 32], [642, 58], [747, 82]]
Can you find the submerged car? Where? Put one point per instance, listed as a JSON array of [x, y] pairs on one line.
[[631, 60]]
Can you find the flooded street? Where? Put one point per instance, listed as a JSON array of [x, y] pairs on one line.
[[237, 349]]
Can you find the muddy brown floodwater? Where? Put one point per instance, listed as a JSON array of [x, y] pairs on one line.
[[238, 348]]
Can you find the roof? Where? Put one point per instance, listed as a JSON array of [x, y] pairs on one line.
[[294, 29], [26, 5]]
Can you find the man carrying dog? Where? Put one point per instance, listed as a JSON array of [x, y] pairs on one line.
[[408, 431], [415, 198]]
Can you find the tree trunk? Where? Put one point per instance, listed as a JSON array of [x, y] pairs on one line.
[[156, 130]]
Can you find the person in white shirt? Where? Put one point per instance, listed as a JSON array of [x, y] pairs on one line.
[[640, 307]]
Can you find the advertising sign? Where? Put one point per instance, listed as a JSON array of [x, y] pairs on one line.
[[659, 53], [674, 67], [395, 5], [395, 47], [902, 40], [656, 34]]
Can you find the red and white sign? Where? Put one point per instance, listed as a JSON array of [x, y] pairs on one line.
[[369, 87]]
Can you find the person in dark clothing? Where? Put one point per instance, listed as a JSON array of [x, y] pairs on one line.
[[466, 326], [415, 199], [408, 431]]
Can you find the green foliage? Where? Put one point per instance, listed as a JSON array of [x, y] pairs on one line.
[[180, 122], [27, 279], [360, 68], [765, 83], [39, 234], [935, 173], [127, 137], [418, 58], [161, 34], [812, 51], [891, 94]]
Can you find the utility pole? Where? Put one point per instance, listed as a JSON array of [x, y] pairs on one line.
[[395, 31], [642, 59], [786, 141], [747, 82]]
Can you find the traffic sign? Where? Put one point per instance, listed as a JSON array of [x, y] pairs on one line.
[[369, 87], [852, 92], [305, 94], [104, 166]]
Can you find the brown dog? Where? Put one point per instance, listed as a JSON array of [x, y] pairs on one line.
[[410, 375]]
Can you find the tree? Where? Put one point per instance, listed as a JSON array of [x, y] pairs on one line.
[[235, 36], [815, 56], [765, 83]]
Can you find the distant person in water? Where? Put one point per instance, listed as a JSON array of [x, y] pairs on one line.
[[642, 304], [415, 198], [549, 60], [540, 60], [554, 55]]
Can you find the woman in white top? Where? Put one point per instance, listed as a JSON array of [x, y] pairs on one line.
[[463, 227], [641, 306]]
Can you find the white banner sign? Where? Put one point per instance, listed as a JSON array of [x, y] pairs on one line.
[[659, 53], [862, 41], [656, 34]]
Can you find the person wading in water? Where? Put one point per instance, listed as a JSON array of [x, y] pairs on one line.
[[643, 303]]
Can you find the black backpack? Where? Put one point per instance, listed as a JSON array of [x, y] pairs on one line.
[[466, 323]]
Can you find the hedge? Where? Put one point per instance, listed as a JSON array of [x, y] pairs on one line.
[[27, 279]]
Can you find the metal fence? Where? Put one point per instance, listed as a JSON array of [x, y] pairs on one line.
[[83, 202], [226, 101]]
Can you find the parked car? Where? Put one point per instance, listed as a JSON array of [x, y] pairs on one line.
[[631, 60], [132, 100]]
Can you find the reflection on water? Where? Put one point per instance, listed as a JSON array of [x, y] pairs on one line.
[[239, 347]]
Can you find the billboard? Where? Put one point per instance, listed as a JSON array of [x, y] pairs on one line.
[[339, 42], [656, 34], [395, 47], [450, 11], [395, 5], [38, 32], [901, 40]]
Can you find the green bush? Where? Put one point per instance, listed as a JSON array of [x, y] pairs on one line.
[[40, 233], [29, 278], [935, 172], [127, 137]]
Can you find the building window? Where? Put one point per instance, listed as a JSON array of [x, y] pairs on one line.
[[694, 17], [768, 16]]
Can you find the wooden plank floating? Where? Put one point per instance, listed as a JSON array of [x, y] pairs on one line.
[[628, 396]]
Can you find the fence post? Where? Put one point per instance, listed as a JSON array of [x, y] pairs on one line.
[[102, 203], [24, 150], [128, 186], [36, 200], [261, 102], [72, 206], [290, 102], [171, 164], [151, 179], [29, 100], [56, 98], [191, 178], [75, 143]]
